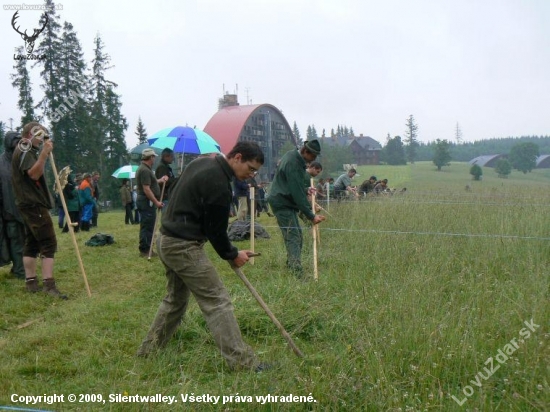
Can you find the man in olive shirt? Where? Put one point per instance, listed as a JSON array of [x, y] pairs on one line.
[[367, 186], [148, 199], [198, 212], [33, 200], [287, 197]]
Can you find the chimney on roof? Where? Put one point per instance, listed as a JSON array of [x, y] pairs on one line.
[[228, 100]]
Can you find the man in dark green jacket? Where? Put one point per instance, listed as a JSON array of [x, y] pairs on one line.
[[198, 212], [287, 197]]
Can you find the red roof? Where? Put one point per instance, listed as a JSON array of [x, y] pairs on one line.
[[226, 125]]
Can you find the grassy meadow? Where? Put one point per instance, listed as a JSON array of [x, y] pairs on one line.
[[421, 297]]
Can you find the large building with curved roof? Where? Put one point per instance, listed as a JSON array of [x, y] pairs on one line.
[[260, 123], [543, 162], [487, 160]]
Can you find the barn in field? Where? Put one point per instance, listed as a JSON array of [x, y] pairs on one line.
[[487, 160], [543, 162]]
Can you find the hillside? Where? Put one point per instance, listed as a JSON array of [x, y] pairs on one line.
[[464, 152]]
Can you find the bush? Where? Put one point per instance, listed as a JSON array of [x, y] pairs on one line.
[[503, 168], [476, 172]]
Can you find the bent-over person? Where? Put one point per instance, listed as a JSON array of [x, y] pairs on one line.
[[287, 197], [343, 184], [198, 212]]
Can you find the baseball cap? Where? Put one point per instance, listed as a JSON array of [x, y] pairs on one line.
[[147, 153]]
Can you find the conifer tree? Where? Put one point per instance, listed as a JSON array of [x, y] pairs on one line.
[[49, 46], [345, 131], [141, 132], [21, 81], [114, 146], [70, 120], [98, 97], [108, 124], [411, 138], [311, 133], [114, 143], [297, 135]]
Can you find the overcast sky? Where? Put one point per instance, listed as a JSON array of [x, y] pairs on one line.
[[368, 64]]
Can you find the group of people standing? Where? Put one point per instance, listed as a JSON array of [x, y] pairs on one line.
[[81, 194], [241, 207]]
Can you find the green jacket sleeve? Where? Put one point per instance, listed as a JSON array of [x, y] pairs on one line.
[[295, 179]]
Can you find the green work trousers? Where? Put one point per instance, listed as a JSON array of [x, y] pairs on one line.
[[292, 236], [188, 270]]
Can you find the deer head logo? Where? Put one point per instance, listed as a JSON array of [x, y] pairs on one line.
[[29, 40]]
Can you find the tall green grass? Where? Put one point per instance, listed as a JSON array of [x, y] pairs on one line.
[[415, 293]]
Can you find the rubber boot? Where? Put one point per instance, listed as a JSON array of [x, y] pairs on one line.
[[51, 289], [31, 284]]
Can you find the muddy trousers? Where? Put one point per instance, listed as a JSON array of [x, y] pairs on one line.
[[188, 270]]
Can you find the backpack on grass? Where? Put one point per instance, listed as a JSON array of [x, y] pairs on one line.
[[100, 239]]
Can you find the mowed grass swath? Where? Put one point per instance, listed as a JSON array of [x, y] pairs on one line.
[[416, 293]]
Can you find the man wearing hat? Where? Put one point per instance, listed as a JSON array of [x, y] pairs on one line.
[[148, 199], [287, 197]]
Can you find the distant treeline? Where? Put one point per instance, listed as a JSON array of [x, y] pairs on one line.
[[466, 151]]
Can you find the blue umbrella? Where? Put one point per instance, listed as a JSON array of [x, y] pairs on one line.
[[183, 139]]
